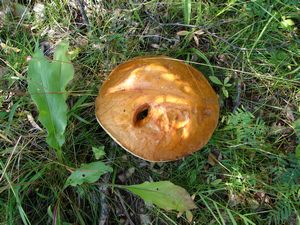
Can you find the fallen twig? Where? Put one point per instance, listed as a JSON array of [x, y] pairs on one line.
[[124, 207], [237, 101], [103, 188], [104, 192], [84, 16]]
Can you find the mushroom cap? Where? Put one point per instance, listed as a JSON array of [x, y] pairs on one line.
[[157, 108]]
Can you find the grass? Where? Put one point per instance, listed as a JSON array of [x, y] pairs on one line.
[[247, 174]]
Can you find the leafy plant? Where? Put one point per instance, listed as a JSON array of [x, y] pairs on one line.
[[225, 84], [282, 212], [47, 81], [246, 128], [98, 152], [163, 194], [288, 173]]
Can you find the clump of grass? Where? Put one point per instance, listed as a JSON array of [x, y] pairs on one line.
[[247, 174]]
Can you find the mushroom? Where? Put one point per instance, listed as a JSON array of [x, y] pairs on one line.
[[157, 108]]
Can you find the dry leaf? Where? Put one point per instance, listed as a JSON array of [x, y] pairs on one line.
[[32, 122], [196, 39], [212, 160], [183, 33], [199, 32]]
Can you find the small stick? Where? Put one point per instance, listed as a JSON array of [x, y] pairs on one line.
[[124, 207], [84, 16], [238, 96], [103, 188]]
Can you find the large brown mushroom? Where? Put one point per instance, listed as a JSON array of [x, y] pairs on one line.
[[157, 108]]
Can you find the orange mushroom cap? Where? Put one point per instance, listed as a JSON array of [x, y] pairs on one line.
[[158, 108]]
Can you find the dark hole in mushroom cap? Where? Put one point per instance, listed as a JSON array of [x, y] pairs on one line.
[[140, 114]]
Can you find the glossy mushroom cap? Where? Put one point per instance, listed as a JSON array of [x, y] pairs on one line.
[[158, 108]]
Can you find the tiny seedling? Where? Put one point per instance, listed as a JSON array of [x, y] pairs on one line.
[[224, 85]]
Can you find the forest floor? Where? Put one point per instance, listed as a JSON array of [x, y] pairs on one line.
[[248, 173]]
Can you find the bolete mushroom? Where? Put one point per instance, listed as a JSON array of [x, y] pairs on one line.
[[157, 108]]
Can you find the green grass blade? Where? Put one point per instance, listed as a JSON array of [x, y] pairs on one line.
[[261, 33], [15, 192], [233, 222], [209, 209], [219, 213], [229, 5], [187, 9]]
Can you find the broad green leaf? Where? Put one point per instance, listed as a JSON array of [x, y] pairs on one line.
[[98, 152], [187, 9], [88, 173], [47, 81], [215, 80], [165, 195]]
